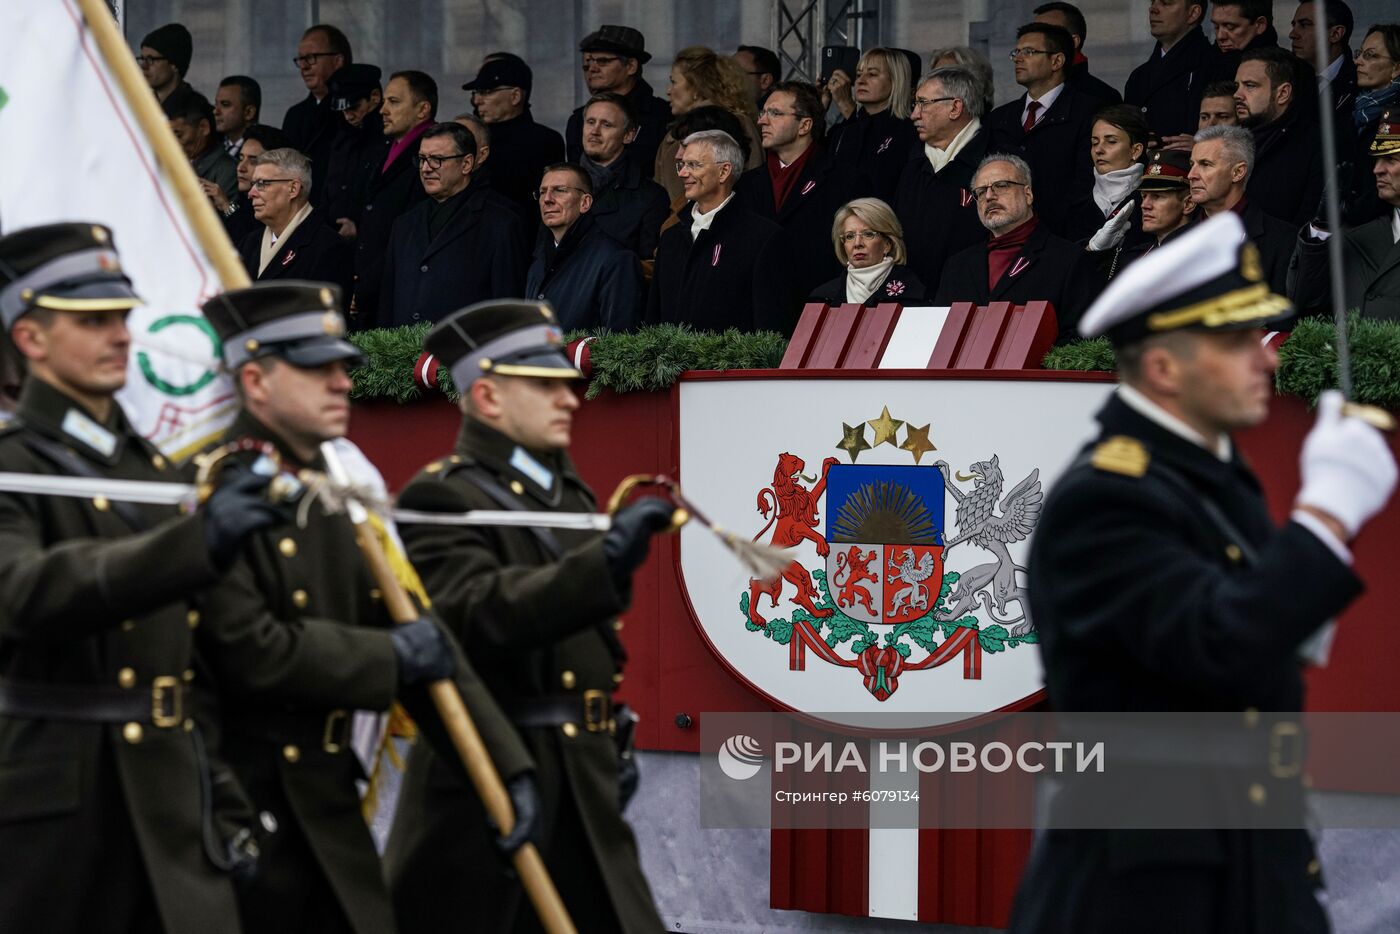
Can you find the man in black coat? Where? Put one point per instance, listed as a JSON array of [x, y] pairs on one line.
[[295, 241], [934, 201], [799, 186], [520, 147], [1159, 582], [463, 244], [612, 62], [357, 152], [721, 266], [1168, 85], [1221, 162], [1240, 25], [1023, 261], [628, 206], [590, 279], [410, 103], [1341, 69], [1286, 180], [1049, 125], [1071, 19], [311, 124]]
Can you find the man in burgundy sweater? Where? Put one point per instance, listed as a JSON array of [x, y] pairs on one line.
[[1022, 261]]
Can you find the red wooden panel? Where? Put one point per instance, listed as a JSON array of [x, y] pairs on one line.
[[951, 338], [820, 870], [1031, 332], [804, 336], [985, 332], [838, 327], [872, 336]]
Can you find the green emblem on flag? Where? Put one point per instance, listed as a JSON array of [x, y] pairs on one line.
[[148, 369]]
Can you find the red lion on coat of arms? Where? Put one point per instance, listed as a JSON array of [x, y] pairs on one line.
[[852, 568], [794, 518]]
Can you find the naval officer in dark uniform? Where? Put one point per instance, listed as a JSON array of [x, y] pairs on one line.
[[1159, 583], [536, 611], [115, 812], [303, 638]]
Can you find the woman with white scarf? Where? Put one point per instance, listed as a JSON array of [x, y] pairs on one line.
[[1108, 218], [870, 242]]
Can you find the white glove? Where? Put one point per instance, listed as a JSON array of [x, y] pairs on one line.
[[1348, 471], [1113, 231]]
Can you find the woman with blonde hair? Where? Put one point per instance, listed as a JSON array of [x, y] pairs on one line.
[[870, 242], [875, 134], [702, 77]]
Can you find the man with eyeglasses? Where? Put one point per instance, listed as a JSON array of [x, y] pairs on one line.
[[934, 200], [628, 206], [522, 148], [1023, 261], [236, 213], [721, 266], [165, 58], [1050, 124], [590, 279], [613, 57], [464, 243], [310, 123], [800, 188]]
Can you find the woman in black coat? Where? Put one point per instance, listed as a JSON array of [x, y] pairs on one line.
[[870, 242], [1117, 144], [874, 134]]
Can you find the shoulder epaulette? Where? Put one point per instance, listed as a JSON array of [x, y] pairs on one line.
[[1122, 455], [443, 467]]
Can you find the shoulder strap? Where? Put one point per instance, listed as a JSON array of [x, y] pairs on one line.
[[69, 463]]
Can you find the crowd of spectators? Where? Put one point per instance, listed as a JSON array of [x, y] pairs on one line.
[[735, 196]]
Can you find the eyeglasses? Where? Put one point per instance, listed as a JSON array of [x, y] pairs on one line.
[[773, 113], [920, 102], [557, 191], [602, 61], [435, 162], [864, 236], [310, 58], [261, 183], [146, 61], [1362, 55], [997, 188], [695, 165], [1025, 53]]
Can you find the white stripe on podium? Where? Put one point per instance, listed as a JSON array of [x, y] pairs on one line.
[[894, 852], [915, 335]]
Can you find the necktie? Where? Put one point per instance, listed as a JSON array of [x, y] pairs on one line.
[[1031, 110]]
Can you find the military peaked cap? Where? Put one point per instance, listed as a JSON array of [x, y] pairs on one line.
[[297, 321], [505, 338], [61, 267]]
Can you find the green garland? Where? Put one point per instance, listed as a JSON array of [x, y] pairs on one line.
[[652, 358]]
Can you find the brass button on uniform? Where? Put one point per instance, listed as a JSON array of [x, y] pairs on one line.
[[132, 733], [158, 462], [567, 679], [287, 547], [300, 599], [100, 503], [189, 726], [617, 625], [517, 488], [570, 730], [128, 625], [1232, 551], [375, 595], [192, 617], [126, 678], [188, 675], [617, 678], [1251, 717], [1314, 868], [1258, 795], [291, 753]]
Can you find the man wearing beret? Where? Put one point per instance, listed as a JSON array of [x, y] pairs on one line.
[[165, 59], [116, 812], [1158, 582], [613, 57], [302, 638], [536, 611]]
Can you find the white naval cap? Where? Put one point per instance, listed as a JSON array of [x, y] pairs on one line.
[[1209, 278]]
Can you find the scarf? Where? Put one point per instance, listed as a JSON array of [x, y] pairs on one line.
[[939, 158], [1113, 187], [1367, 107], [601, 175], [270, 240], [784, 177], [862, 283], [1003, 250], [403, 142], [700, 222]]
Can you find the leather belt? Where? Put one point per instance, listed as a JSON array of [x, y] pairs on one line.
[[593, 710], [328, 731], [162, 706]]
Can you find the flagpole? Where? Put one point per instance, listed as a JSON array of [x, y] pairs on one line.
[[174, 164]]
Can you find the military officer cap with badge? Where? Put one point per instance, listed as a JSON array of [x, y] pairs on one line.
[[1387, 141], [299, 322], [351, 84], [1207, 280], [61, 267], [501, 338], [1166, 171]]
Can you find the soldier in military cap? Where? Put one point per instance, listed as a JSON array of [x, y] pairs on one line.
[[536, 611], [357, 149], [1158, 582], [304, 639], [115, 812], [1166, 206]]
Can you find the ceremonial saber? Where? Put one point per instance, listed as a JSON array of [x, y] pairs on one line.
[[455, 716]]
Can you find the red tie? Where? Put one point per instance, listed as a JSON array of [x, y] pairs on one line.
[[1031, 109]]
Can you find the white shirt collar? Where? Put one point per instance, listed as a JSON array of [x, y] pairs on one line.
[[1333, 69], [1395, 225], [1155, 413], [700, 221], [1046, 102]]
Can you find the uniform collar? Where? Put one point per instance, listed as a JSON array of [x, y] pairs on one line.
[[53, 413], [1150, 410], [246, 426], [1174, 449], [526, 471]]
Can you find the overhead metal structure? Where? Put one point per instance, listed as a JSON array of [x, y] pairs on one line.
[[802, 27]]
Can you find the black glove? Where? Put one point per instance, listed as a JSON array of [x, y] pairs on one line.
[[625, 545], [423, 652], [525, 801], [1343, 180], [235, 510]]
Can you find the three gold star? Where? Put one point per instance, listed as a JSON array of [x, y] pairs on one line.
[[853, 440], [885, 427], [916, 441]]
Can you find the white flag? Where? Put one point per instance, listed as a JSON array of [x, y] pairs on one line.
[[73, 151]]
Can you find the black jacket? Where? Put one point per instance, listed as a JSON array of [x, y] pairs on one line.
[[653, 112], [902, 285], [238, 224], [591, 280], [357, 153], [1112, 262], [1057, 149], [311, 127], [313, 252], [479, 254], [520, 149], [1139, 606], [1168, 87], [391, 193], [1273, 237], [1287, 177], [1371, 260], [937, 211], [1085, 217], [736, 274], [632, 208], [807, 214], [1048, 269], [1082, 81], [877, 145]]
